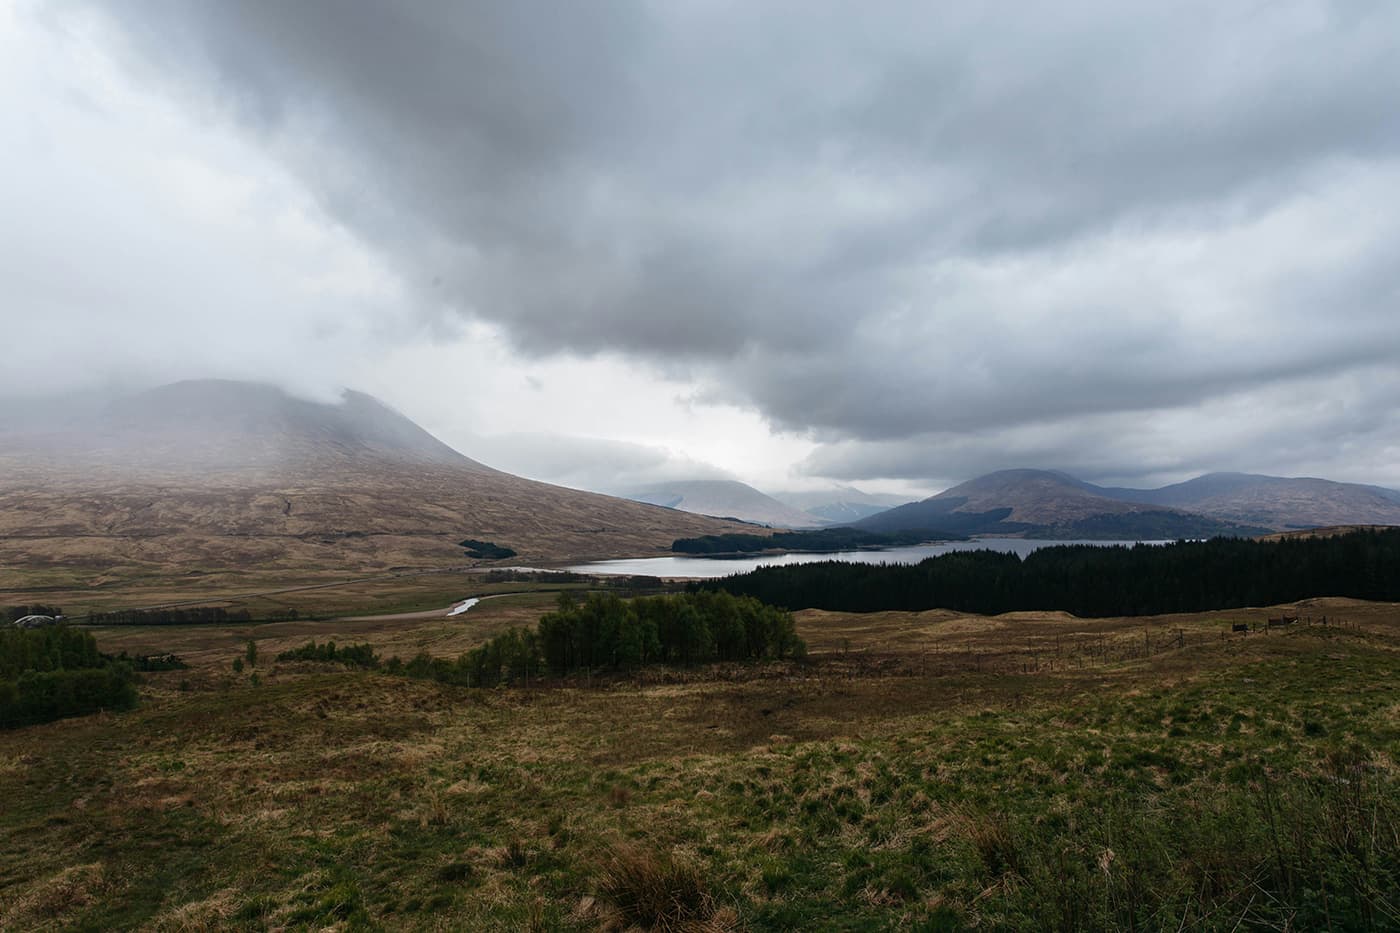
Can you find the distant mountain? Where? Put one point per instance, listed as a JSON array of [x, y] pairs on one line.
[[840, 505], [724, 499], [1045, 504], [1275, 502], [222, 481]]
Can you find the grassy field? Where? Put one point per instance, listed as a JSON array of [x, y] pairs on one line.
[[932, 771]]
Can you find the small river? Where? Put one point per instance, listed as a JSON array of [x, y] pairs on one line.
[[706, 567]]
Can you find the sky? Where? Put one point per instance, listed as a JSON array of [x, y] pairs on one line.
[[794, 243]]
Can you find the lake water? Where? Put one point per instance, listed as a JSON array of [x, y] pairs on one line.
[[705, 567]]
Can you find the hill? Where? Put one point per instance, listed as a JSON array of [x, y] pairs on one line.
[[1045, 504], [203, 486], [1275, 502], [724, 499]]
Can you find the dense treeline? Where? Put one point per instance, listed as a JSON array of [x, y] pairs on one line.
[[361, 655], [824, 539], [52, 672], [15, 613], [611, 581], [1188, 576], [605, 633], [511, 575], [192, 615]]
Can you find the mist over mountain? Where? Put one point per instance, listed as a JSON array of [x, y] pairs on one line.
[[726, 499], [841, 504], [218, 477]]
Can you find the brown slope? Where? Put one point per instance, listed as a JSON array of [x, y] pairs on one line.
[[227, 480]]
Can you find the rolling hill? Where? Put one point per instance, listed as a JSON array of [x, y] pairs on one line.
[[221, 483]]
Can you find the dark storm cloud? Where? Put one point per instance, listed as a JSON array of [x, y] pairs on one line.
[[937, 222]]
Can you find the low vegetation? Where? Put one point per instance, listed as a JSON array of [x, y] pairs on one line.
[[1223, 784], [1188, 576]]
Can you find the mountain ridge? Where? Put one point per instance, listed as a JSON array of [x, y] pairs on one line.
[[1043, 504], [1048, 503]]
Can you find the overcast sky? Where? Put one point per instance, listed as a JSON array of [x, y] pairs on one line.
[[889, 244]]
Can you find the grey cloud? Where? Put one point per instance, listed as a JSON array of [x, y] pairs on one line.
[[590, 463], [1344, 427], [952, 223]]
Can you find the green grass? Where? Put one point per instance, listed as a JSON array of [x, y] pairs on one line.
[[1252, 787]]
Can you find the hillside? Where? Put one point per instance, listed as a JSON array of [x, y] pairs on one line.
[[205, 485], [1045, 504], [724, 499], [1275, 502]]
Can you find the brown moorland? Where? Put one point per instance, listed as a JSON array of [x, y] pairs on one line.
[[930, 770]]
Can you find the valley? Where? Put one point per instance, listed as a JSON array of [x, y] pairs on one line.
[[320, 751]]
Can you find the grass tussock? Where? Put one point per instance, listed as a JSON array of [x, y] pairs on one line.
[[50, 900], [658, 890]]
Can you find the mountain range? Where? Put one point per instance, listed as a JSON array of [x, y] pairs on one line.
[[1048, 504]]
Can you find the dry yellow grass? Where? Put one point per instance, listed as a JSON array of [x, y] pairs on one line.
[[323, 798]]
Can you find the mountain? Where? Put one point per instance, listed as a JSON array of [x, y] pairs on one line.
[[1275, 502], [840, 505], [227, 482], [1045, 504], [726, 499]]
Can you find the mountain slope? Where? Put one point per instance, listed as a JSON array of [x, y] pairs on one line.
[[1274, 501], [1041, 503], [233, 481], [725, 499]]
